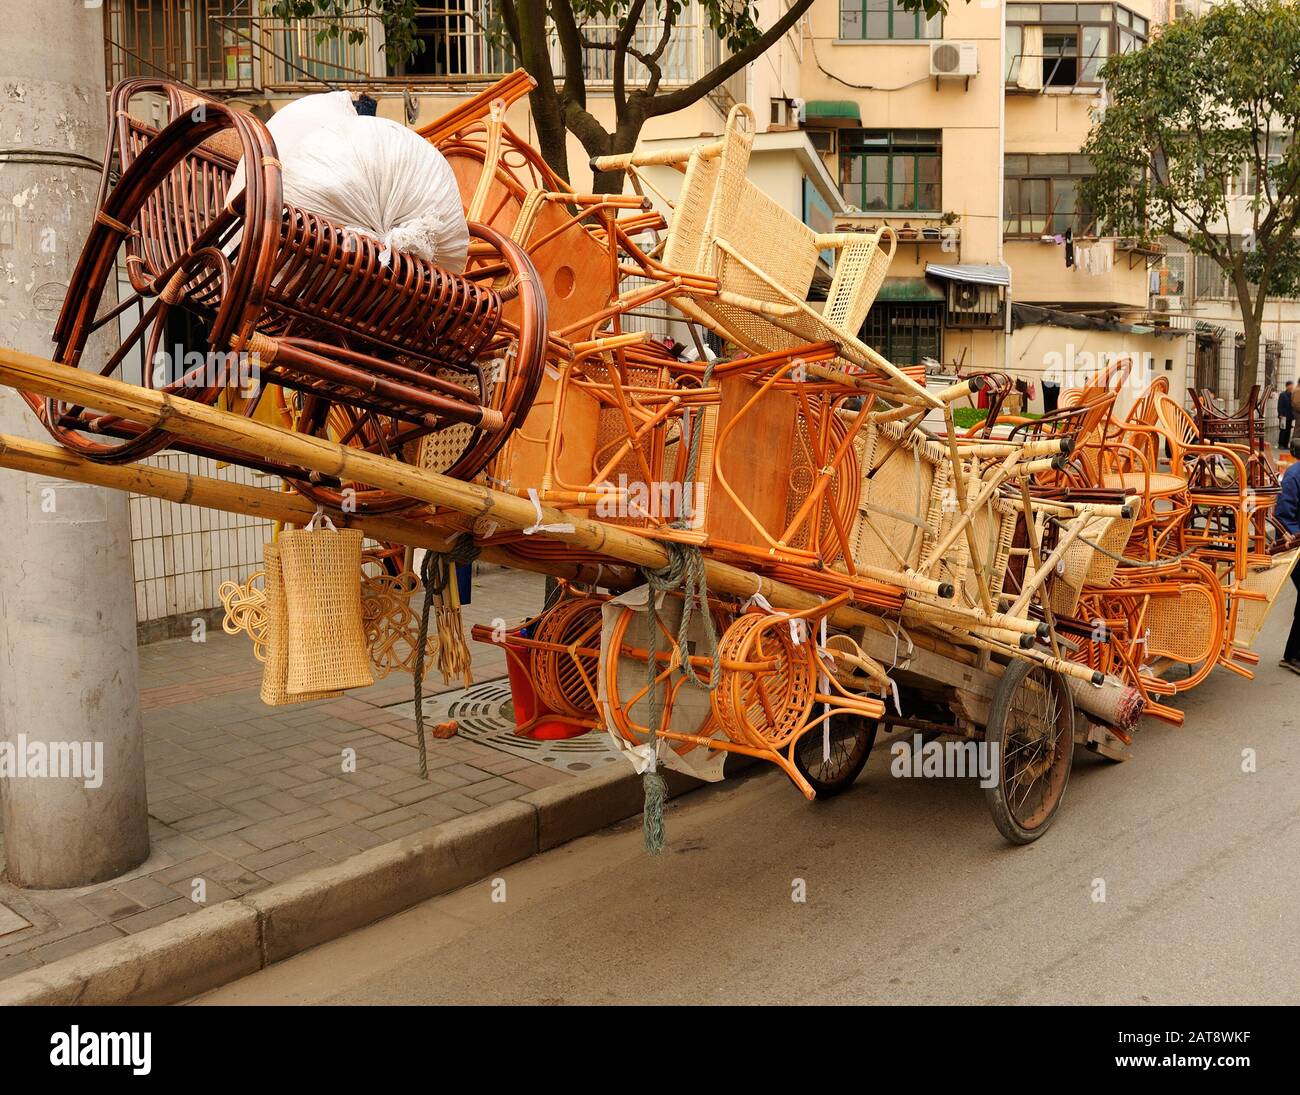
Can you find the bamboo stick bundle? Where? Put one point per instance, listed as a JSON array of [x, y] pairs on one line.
[[40, 458], [195, 421], [1047, 446]]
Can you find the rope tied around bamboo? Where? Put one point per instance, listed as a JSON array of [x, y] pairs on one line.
[[685, 568], [438, 576]]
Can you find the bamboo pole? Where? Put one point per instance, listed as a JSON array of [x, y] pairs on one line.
[[38, 458], [194, 421]]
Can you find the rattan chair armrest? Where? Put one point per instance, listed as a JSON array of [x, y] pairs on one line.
[[664, 157], [1217, 450], [752, 304]]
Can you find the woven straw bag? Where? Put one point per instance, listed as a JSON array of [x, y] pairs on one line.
[[275, 668], [321, 568]]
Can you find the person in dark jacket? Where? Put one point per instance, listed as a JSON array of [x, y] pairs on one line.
[[1287, 511], [1285, 416]]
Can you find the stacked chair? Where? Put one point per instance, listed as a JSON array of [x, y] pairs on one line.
[[1068, 561]]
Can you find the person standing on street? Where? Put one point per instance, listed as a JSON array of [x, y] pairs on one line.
[[1287, 511], [1285, 417]]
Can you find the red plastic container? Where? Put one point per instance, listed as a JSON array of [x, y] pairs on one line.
[[527, 705]]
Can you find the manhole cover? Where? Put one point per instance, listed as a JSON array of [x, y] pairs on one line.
[[486, 715]]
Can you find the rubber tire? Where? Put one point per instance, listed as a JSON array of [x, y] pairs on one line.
[[845, 780], [994, 796]]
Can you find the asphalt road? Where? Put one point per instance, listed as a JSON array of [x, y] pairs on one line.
[[911, 895]]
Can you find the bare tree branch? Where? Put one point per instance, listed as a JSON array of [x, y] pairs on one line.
[[621, 43], [680, 100]]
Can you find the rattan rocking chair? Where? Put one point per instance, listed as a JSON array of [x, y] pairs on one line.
[[373, 355]]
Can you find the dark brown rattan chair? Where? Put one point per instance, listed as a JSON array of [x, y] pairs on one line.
[[1242, 431], [377, 356]]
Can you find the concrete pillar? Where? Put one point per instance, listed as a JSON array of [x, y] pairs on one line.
[[69, 690]]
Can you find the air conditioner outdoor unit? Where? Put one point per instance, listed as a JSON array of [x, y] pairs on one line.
[[824, 140], [974, 305], [954, 59], [1167, 304]]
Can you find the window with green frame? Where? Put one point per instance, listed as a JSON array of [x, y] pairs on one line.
[[905, 333], [891, 170], [882, 19]]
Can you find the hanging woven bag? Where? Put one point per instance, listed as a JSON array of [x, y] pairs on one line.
[[275, 668], [321, 566]]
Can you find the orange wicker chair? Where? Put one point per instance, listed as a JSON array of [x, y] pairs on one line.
[[1229, 520]]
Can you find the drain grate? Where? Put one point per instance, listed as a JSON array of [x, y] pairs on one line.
[[486, 715]]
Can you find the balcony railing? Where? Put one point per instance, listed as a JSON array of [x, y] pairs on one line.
[[219, 45], [200, 43]]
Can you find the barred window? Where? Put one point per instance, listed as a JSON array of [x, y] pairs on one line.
[[905, 333]]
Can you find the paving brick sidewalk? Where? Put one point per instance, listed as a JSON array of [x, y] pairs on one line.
[[242, 795]]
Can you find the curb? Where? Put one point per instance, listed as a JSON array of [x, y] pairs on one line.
[[203, 950]]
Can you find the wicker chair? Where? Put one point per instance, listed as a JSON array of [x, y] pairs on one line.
[[378, 356], [907, 507], [1242, 430], [572, 239], [1230, 515], [1149, 619], [742, 265]]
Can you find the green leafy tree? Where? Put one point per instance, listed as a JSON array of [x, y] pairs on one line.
[[646, 32], [1210, 99]]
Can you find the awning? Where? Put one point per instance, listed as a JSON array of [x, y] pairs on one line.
[[825, 110], [909, 289], [973, 272], [1031, 315]]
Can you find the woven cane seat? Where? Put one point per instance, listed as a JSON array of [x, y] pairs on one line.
[[1158, 482]]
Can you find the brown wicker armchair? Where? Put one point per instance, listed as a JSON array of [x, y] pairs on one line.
[[373, 355]]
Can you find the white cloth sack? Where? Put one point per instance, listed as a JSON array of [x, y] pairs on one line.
[[370, 175], [691, 711]]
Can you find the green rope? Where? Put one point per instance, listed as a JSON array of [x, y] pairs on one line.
[[436, 573], [685, 568]]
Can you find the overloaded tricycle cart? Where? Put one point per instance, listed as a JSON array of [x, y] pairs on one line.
[[765, 552]]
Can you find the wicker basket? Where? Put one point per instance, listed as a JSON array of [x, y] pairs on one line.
[[275, 668], [321, 569]]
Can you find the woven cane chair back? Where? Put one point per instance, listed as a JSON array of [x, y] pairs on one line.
[[994, 525], [1186, 626], [901, 503], [1262, 587]]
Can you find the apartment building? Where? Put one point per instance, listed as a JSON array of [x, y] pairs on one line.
[[963, 132]]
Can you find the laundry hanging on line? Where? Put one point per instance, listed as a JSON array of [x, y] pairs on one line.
[[1096, 259]]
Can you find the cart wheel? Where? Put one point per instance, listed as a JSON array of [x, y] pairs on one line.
[[1031, 726], [852, 737]]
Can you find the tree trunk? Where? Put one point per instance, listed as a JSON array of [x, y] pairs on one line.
[[599, 143], [1248, 364], [552, 137], [1252, 324]]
